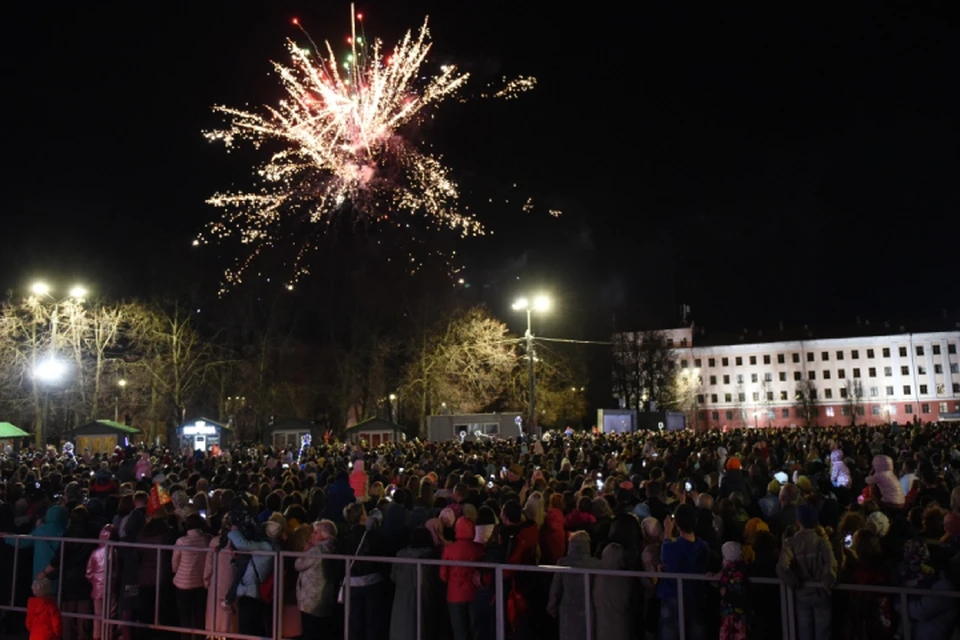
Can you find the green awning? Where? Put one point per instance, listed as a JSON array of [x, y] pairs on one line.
[[7, 430], [118, 426]]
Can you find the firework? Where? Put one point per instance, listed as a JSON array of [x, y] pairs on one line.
[[342, 148]]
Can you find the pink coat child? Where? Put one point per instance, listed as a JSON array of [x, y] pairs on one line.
[[839, 473], [891, 491], [97, 576], [144, 468]]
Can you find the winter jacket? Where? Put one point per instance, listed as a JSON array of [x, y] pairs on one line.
[[807, 557], [75, 555], [934, 617], [615, 600], [839, 473], [553, 538], [684, 556], [54, 523], [359, 541], [96, 571], [339, 495], [567, 589], [43, 619], [733, 482], [460, 587], [188, 565], [403, 618], [260, 568], [316, 584], [359, 481], [891, 491], [578, 520]]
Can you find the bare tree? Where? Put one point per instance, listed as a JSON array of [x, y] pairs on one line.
[[644, 370], [806, 399], [853, 392]]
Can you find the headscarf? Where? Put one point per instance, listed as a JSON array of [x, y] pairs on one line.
[[915, 570], [750, 531]]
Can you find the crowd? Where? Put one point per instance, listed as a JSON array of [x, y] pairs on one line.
[[813, 507]]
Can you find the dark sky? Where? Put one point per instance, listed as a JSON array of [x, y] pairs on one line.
[[796, 166]]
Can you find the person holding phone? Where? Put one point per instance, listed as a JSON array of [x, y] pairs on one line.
[[682, 552]]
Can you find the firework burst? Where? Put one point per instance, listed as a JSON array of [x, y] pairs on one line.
[[341, 148]]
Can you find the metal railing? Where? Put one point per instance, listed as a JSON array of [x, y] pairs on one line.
[[788, 611]]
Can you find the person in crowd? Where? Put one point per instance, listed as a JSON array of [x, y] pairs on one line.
[[43, 617], [96, 575], [255, 575], [567, 591], [359, 481], [734, 596], [188, 566], [682, 552], [368, 589], [615, 599], [807, 558], [461, 587], [403, 619], [886, 482], [218, 579], [317, 580]]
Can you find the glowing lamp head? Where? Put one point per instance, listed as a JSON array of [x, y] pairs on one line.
[[522, 304], [121, 382], [78, 292], [40, 288], [393, 397], [359, 16], [541, 303], [49, 370]]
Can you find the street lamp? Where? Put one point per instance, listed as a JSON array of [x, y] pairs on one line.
[[122, 383], [78, 292], [40, 288], [541, 303], [49, 370]]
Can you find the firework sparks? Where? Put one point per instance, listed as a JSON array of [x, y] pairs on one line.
[[342, 148]]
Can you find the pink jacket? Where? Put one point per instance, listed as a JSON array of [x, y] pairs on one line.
[[188, 565], [839, 473], [97, 571], [891, 491], [358, 481]]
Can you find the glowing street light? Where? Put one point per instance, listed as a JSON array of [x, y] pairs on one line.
[[78, 292], [121, 382], [521, 304], [49, 370], [40, 288], [541, 303]]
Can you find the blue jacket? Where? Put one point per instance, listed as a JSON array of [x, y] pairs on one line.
[[683, 556], [260, 567], [54, 523], [339, 495]]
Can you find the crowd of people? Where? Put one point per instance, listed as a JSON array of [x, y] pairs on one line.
[[812, 507]]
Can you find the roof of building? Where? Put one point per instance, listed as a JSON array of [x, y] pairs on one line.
[[376, 424], [206, 421], [103, 427], [8, 430]]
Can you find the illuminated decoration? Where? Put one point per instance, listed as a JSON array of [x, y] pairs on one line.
[[199, 428], [304, 446], [339, 145]]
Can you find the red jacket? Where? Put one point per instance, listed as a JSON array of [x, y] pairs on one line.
[[460, 587], [553, 539], [43, 619]]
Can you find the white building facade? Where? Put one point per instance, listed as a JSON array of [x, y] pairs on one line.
[[868, 380]]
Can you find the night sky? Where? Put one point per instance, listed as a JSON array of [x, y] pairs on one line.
[[760, 167]]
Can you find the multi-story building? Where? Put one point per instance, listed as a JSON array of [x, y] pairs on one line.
[[873, 379]]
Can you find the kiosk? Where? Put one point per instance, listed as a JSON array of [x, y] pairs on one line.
[[201, 434], [102, 436]]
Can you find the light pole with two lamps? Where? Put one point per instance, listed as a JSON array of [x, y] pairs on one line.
[[540, 304]]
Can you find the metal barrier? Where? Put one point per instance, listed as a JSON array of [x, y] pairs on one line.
[[105, 619]]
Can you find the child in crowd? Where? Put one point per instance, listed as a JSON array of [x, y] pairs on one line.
[[733, 597], [43, 616], [97, 576]]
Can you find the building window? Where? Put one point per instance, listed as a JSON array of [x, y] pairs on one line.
[[701, 399], [785, 413], [874, 392], [784, 396], [904, 370], [888, 371], [906, 389], [753, 359], [908, 408], [841, 373], [716, 415], [811, 375], [683, 364], [754, 377], [856, 372], [768, 377], [796, 357], [783, 376], [683, 342], [702, 416], [725, 362], [872, 372], [756, 396], [936, 349], [861, 411], [825, 355], [711, 362], [727, 397], [919, 350], [921, 370], [903, 352], [855, 354], [697, 363], [889, 391], [869, 353], [843, 392], [875, 410], [886, 352], [726, 378], [924, 408], [826, 374], [952, 348], [923, 389], [713, 398], [810, 357], [713, 380], [797, 375], [769, 396], [781, 359], [829, 412], [943, 407], [739, 378], [954, 367], [938, 368], [766, 359], [742, 397], [813, 394], [739, 361], [670, 342], [839, 355], [828, 394], [844, 410], [729, 415]]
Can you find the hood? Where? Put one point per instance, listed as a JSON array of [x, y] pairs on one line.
[[358, 466], [465, 529], [836, 456], [56, 517], [612, 557], [579, 545], [882, 463]]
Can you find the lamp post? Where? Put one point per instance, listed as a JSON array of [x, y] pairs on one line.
[[540, 303], [50, 369], [121, 383]]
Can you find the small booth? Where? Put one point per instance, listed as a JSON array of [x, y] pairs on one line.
[[374, 431], [10, 436], [201, 434], [102, 436], [288, 433]]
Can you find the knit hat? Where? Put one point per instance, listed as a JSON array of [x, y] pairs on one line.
[[879, 522], [733, 464], [732, 552], [274, 525], [808, 516], [773, 487], [803, 482]]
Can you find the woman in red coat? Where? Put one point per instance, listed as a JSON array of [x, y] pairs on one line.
[[553, 538], [460, 586]]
